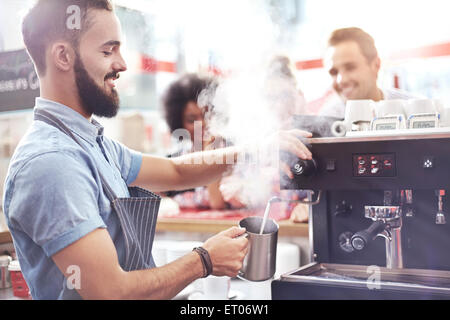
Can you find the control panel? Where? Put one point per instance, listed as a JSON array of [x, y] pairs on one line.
[[374, 165], [365, 164]]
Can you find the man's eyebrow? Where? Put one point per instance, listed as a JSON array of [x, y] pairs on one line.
[[111, 43]]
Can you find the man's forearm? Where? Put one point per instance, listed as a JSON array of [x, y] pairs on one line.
[[185, 172], [208, 166], [203, 168], [162, 283]]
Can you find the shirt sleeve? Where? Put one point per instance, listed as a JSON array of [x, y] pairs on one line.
[[129, 160], [55, 201]]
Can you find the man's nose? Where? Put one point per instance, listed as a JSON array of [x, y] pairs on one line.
[[341, 80], [120, 65]]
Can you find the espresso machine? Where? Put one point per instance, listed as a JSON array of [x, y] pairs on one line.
[[379, 222]]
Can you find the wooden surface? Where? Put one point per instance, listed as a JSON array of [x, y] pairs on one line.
[[5, 237], [287, 228]]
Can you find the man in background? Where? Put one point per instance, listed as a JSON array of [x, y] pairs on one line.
[[353, 63]]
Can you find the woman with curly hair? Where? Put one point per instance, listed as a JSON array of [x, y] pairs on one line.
[[186, 118]]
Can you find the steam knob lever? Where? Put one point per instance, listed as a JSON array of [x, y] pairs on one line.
[[362, 238]]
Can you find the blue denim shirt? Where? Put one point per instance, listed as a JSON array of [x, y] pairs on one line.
[[53, 194]]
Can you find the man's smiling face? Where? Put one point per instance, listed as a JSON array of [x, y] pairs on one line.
[[98, 63], [354, 77]]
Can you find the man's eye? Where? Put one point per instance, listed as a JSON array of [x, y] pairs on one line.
[[350, 67], [107, 53]]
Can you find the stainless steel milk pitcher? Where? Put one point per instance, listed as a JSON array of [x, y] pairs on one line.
[[260, 261]]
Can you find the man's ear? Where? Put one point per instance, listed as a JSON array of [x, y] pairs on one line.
[[377, 64], [62, 56]]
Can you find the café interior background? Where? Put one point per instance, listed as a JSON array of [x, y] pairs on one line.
[[166, 38]]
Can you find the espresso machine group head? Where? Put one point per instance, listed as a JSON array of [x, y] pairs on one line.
[[387, 223]]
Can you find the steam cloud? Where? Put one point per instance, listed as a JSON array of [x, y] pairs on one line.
[[255, 99]]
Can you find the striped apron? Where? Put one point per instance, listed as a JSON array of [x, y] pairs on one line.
[[137, 214]]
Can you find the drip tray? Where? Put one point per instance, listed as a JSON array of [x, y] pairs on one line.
[[420, 280]]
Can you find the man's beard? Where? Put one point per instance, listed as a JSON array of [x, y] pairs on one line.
[[94, 99]]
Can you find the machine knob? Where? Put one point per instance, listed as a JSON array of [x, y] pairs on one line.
[[362, 238], [304, 168]]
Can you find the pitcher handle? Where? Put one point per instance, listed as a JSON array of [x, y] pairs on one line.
[[240, 274], [244, 235]]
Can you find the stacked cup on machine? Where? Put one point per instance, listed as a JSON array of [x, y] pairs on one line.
[[364, 115]]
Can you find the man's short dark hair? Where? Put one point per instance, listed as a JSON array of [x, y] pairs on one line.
[[365, 41], [46, 22], [179, 94]]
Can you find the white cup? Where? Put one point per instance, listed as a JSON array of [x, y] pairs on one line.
[[216, 288], [419, 106], [386, 108], [444, 112], [445, 118], [359, 111], [440, 105]]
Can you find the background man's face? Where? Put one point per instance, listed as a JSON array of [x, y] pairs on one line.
[[354, 77], [98, 64]]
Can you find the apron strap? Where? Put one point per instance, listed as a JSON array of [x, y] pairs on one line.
[[50, 119]]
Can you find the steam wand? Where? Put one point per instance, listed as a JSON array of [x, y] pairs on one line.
[[278, 199]]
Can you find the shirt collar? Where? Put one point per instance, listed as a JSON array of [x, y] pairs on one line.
[[87, 130]]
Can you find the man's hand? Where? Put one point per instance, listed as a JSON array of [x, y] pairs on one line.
[[290, 141], [227, 253]]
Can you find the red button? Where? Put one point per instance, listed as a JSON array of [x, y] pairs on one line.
[[387, 163]]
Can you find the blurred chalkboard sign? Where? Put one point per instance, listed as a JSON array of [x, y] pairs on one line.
[[19, 84]]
